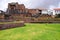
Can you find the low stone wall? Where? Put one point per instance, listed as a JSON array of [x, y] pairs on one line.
[[11, 25]]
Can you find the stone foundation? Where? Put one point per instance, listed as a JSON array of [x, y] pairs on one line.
[[11, 25]]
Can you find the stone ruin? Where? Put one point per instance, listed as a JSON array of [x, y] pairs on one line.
[[11, 25]]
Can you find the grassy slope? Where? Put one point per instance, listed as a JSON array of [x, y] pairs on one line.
[[32, 32]]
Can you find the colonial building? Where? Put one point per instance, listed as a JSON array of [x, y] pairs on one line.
[[14, 8], [16, 11], [56, 10]]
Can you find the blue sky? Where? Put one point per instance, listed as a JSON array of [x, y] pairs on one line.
[[32, 3]]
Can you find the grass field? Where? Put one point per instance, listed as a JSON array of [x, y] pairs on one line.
[[32, 32]]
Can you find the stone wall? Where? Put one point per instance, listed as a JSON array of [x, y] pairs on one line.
[[10, 25]]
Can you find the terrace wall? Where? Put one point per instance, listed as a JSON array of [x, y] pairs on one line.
[[11, 25]]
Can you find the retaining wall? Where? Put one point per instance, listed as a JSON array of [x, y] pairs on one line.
[[11, 25]]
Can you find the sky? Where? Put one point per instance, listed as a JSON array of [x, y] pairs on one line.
[[32, 3]]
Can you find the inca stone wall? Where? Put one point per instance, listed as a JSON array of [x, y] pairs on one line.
[[11, 25]]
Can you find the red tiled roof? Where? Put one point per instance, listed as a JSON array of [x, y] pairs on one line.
[[56, 8], [42, 8]]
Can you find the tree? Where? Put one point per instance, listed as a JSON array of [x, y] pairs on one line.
[[57, 15]]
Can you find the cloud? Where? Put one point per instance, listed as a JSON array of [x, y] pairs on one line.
[[32, 3]]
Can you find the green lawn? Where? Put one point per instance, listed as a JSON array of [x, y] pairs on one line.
[[32, 32]]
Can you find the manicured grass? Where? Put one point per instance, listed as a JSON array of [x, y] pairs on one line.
[[32, 32]]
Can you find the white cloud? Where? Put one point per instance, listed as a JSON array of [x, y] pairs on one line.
[[58, 5], [51, 7], [31, 3]]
